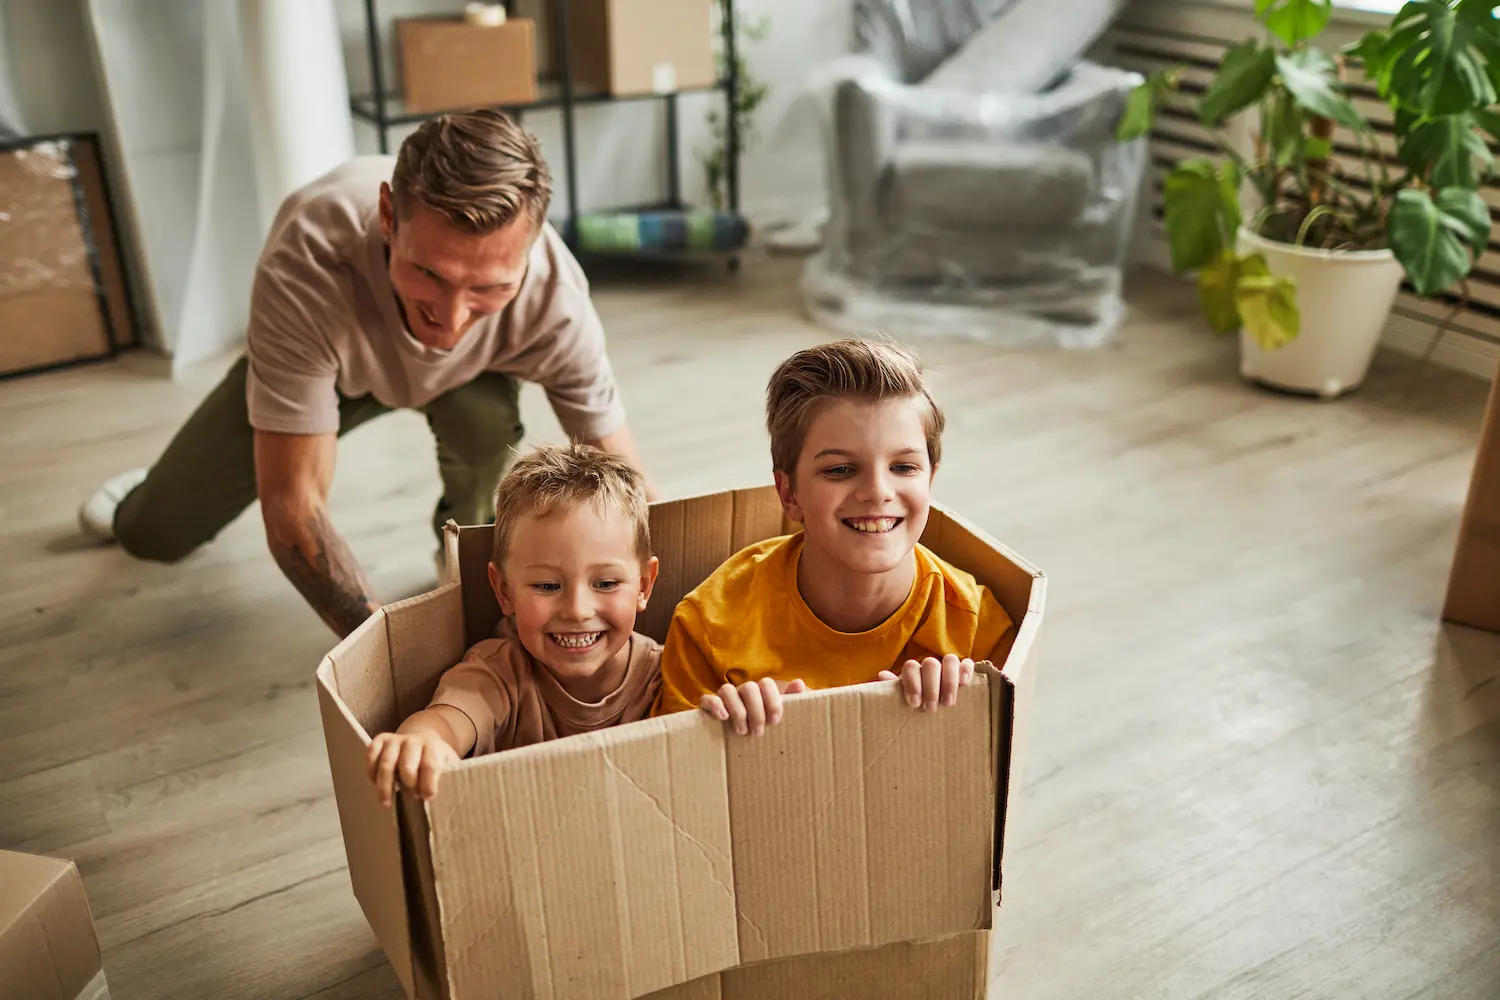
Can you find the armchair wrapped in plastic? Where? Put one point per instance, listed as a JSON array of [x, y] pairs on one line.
[[976, 186]]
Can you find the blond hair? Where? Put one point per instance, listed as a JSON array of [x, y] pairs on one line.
[[565, 477], [480, 169], [845, 369]]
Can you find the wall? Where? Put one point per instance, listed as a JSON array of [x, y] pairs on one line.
[[44, 60]]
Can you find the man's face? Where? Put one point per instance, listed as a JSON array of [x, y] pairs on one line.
[[444, 278]]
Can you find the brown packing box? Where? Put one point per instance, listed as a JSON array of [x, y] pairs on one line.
[[449, 65], [1474, 583], [48, 949], [662, 858], [632, 47], [52, 308]]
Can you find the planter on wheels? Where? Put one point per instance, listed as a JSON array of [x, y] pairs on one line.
[[1344, 296]]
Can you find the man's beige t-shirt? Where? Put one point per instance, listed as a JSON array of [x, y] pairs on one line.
[[514, 701], [324, 321]]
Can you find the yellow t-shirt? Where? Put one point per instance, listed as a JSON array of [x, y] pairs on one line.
[[748, 621]]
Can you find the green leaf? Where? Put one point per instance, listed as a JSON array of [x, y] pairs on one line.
[[1284, 125], [1244, 74], [1464, 211], [1447, 151], [1438, 57], [1317, 149], [1308, 75], [1371, 51], [1267, 304], [1489, 121], [1201, 205], [1295, 21], [1432, 240], [1140, 114], [1142, 103], [1216, 292]]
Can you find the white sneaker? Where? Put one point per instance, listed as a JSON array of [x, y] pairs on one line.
[[96, 518]]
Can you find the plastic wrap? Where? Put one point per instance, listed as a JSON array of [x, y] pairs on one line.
[[999, 215]]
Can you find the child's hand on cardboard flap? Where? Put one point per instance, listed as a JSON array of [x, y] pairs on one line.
[[419, 758], [933, 682], [752, 706]]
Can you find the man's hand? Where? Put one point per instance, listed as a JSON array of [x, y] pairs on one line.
[[752, 706], [293, 473], [933, 682], [418, 758]]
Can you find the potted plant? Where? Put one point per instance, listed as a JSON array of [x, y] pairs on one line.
[[1299, 251]]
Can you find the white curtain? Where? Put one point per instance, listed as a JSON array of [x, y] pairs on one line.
[[215, 125]]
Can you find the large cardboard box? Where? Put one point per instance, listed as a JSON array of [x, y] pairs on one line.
[[48, 949], [633, 47], [449, 65], [1473, 597], [854, 850]]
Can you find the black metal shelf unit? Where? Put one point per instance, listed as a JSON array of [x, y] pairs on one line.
[[385, 110]]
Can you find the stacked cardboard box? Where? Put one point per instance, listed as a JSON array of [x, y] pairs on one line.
[[48, 949], [854, 850]]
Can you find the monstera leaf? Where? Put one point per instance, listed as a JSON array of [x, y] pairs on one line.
[[1202, 211], [1435, 239], [1443, 59], [1448, 151], [1244, 74]]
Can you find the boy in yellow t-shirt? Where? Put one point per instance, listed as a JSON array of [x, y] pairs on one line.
[[855, 441]]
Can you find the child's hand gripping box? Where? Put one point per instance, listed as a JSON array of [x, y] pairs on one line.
[[855, 849]]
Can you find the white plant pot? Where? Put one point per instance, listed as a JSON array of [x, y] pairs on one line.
[[1345, 298]]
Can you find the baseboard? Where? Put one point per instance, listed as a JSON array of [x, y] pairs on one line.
[[1458, 350]]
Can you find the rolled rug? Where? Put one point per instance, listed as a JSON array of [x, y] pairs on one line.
[[698, 232]]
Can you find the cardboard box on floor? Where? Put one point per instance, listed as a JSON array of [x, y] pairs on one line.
[[854, 850], [1473, 596], [48, 948]]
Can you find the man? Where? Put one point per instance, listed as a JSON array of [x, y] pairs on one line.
[[428, 281]]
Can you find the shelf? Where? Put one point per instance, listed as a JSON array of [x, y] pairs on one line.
[[549, 95]]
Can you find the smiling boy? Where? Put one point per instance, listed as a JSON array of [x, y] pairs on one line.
[[571, 566], [855, 442]]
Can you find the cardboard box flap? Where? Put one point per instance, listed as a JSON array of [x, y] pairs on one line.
[[48, 948], [596, 866], [358, 673], [425, 636], [858, 821], [1021, 590]]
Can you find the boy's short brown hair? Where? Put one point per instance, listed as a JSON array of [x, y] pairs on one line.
[[480, 169], [845, 369], [562, 477]]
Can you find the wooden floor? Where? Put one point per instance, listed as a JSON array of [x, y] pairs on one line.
[[1258, 766]]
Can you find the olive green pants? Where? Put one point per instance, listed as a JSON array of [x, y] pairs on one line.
[[206, 477]]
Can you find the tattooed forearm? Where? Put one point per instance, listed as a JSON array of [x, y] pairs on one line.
[[319, 564]]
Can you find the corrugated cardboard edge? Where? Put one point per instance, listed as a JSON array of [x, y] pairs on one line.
[[1011, 700], [59, 909], [372, 836]]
